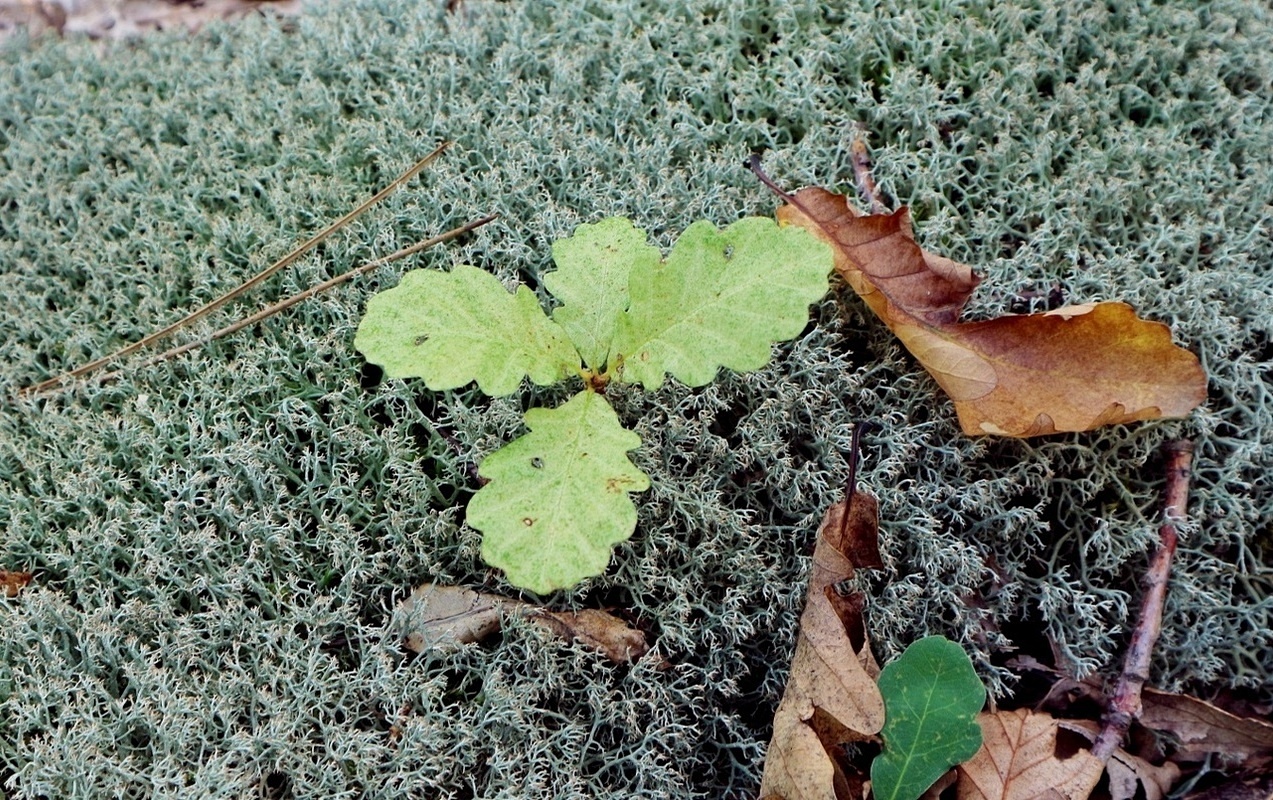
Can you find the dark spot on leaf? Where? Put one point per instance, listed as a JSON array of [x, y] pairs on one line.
[[421, 339], [528, 521], [618, 484], [729, 252], [537, 462]]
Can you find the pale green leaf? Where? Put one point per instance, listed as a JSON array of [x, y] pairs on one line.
[[591, 281], [721, 299], [452, 328], [931, 699], [558, 500]]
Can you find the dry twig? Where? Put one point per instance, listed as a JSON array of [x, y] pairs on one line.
[[1125, 705], [244, 287], [282, 305], [862, 173]]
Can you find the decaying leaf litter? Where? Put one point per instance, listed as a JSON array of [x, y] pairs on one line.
[[128, 19], [1008, 755], [438, 617], [1014, 376], [1007, 377], [1071, 369]]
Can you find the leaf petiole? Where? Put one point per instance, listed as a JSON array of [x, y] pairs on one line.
[[855, 451]]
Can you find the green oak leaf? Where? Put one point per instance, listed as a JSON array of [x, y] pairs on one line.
[[452, 328], [558, 500], [931, 699], [720, 299], [591, 281]]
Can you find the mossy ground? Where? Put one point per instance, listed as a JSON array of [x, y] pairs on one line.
[[218, 540]]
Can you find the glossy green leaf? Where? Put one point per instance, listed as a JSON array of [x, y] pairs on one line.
[[931, 699], [591, 281], [558, 500], [453, 328], [720, 299]]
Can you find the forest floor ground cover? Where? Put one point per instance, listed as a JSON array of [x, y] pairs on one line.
[[217, 542]]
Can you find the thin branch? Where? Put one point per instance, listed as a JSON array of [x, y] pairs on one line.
[[283, 305], [1125, 705], [247, 285], [862, 174]]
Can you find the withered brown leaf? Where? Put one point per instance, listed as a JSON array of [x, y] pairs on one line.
[[598, 629], [1019, 760], [1072, 369], [831, 696], [1202, 728], [1130, 776], [439, 616]]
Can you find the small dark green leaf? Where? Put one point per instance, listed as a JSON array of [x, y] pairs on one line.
[[931, 700]]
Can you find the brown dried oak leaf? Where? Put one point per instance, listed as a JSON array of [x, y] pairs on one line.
[[1020, 759], [440, 616], [1130, 776], [1072, 369], [1202, 729], [831, 696]]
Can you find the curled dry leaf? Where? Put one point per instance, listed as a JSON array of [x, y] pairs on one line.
[[11, 583], [1130, 776], [1202, 728], [602, 631], [831, 696], [1020, 759], [1072, 369], [1129, 773], [439, 616]]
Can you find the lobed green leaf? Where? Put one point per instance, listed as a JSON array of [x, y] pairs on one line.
[[453, 328], [721, 299], [558, 500], [591, 281]]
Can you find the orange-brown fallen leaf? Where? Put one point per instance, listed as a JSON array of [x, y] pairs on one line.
[[1020, 759], [1202, 728], [1072, 369], [11, 583], [439, 616], [831, 696]]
